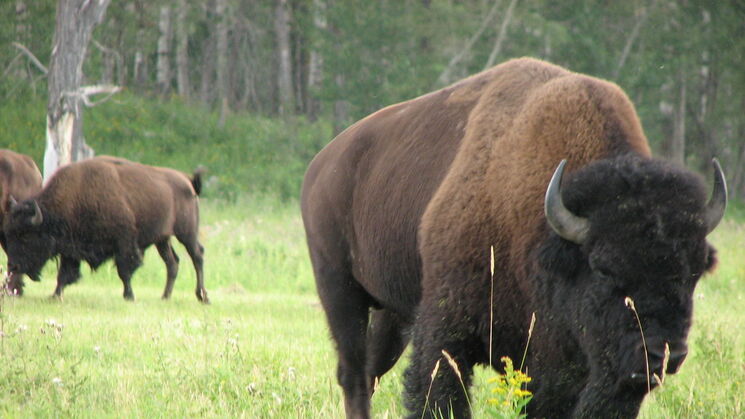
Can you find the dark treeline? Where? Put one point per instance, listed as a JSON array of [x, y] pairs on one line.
[[681, 61]]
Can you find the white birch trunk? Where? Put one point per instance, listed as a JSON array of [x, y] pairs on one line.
[[677, 146], [163, 66], [284, 76], [182, 50], [222, 59], [315, 63]]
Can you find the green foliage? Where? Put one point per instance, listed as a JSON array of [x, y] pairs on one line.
[[249, 155], [509, 397]]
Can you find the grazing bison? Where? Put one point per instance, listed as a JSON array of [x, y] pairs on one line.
[[401, 210], [106, 207], [20, 178]]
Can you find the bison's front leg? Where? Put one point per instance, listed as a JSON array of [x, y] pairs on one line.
[[603, 398], [69, 272], [126, 264], [440, 371]]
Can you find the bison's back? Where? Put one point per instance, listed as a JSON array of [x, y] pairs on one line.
[[113, 194], [19, 176]]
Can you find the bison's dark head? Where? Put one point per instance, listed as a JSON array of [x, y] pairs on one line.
[[629, 248], [29, 242]]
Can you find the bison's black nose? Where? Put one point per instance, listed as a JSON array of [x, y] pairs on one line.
[[677, 354]]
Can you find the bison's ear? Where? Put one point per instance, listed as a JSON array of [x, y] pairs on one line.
[[10, 204], [711, 260]]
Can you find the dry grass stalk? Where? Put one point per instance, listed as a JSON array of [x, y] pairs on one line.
[[429, 390], [530, 333], [491, 306], [454, 366], [630, 304]]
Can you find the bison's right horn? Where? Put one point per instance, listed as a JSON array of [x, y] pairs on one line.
[[718, 202], [567, 225], [37, 218]]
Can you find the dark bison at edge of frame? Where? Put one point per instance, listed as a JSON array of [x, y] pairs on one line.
[[401, 209], [20, 178], [102, 208]]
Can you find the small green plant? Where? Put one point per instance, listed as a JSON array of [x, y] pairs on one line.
[[509, 396]]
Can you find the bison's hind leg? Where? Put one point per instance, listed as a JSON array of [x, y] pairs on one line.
[[171, 260], [196, 253], [386, 341], [347, 307]]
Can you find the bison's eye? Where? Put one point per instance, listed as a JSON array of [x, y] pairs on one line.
[[604, 272]]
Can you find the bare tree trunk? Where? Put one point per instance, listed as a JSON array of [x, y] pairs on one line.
[[677, 141], [139, 70], [113, 62], [222, 59], [163, 66], [502, 35], [446, 75], [315, 65], [341, 108], [74, 24], [182, 50], [284, 76]]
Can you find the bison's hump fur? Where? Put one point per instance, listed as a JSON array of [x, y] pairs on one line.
[[401, 210]]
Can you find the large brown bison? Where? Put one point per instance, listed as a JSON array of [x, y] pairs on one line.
[[401, 210], [20, 178], [103, 208]]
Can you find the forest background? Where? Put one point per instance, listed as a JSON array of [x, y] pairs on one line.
[[308, 68]]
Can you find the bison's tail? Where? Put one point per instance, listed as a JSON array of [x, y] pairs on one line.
[[196, 180]]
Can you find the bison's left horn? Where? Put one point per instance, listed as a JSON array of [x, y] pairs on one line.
[[37, 218], [718, 202], [561, 220]]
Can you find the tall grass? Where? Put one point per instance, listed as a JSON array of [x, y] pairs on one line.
[[262, 348]]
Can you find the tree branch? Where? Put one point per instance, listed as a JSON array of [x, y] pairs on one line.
[[502, 34], [31, 57], [84, 92], [444, 77], [631, 39]]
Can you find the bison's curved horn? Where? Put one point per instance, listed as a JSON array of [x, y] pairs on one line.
[[718, 202], [37, 218], [561, 220]]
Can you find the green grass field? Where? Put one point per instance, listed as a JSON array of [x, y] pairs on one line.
[[261, 349]]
